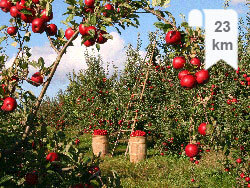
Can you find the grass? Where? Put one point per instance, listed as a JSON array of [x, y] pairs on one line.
[[163, 171]]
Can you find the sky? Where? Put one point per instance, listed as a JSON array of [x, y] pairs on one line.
[[113, 50]]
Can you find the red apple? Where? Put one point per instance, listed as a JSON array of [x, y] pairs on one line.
[[9, 104], [238, 160], [84, 30], [183, 73], [202, 76], [227, 169], [52, 29], [89, 3], [101, 39], [69, 33], [87, 10], [247, 179], [14, 12], [108, 7], [196, 62], [188, 81], [31, 178], [234, 100], [45, 17], [52, 157], [35, 1], [229, 101], [173, 37], [242, 175], [191, 150], [21, 5], [28, 18], [89, 42], [38, 25], [5, 5], [12, 31], [77, 141], [179, 62], [202, 129], [37, 78]]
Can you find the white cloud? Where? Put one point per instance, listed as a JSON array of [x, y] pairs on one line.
[[234, 2], [112, 51]]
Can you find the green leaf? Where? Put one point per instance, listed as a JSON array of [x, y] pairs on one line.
[[70, 17], [2, 39], [25, 11], [184, 24], [98, 47], [61, 33], [5, 179], [3, 27], [41, 62], [48, 9]]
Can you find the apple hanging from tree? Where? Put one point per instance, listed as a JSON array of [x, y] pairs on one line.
[[101, 39], [9, 104], [45, 17], [196, 62], [238, 160], [108, 7], [37, 78], [90, 3], [38, 25], [52, 157], [28, 18], [35, 1], [84, 30], [12, 31], [69, 33], [5, 5], [51, 29], [202, 128], [14, 12], [179, 62], [21, 5], [89, 42], [188, 81], [183, 73], [191, 150], [202, 76], [173, 37]]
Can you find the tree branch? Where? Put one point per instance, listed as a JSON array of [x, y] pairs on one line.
[[159, 16], [52, 45], [46, 85]]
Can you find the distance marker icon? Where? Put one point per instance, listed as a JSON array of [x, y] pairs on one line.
[[221, 35]]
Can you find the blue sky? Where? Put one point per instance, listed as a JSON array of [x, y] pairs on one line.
[[40, 45]]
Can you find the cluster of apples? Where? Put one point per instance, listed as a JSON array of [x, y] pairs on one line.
[[98, 36], [38, 19], [187, 80]]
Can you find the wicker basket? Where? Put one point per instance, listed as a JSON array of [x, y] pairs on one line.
[[100, 145], [137, 149]]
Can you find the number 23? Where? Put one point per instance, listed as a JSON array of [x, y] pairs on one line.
[[226, 28]]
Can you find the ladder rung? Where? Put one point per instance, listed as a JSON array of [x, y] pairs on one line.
[[126, 130]]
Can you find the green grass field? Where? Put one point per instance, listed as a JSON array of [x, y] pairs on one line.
[[163, 171]]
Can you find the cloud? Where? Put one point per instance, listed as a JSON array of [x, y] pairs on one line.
[[235, 2], [112, 51]]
